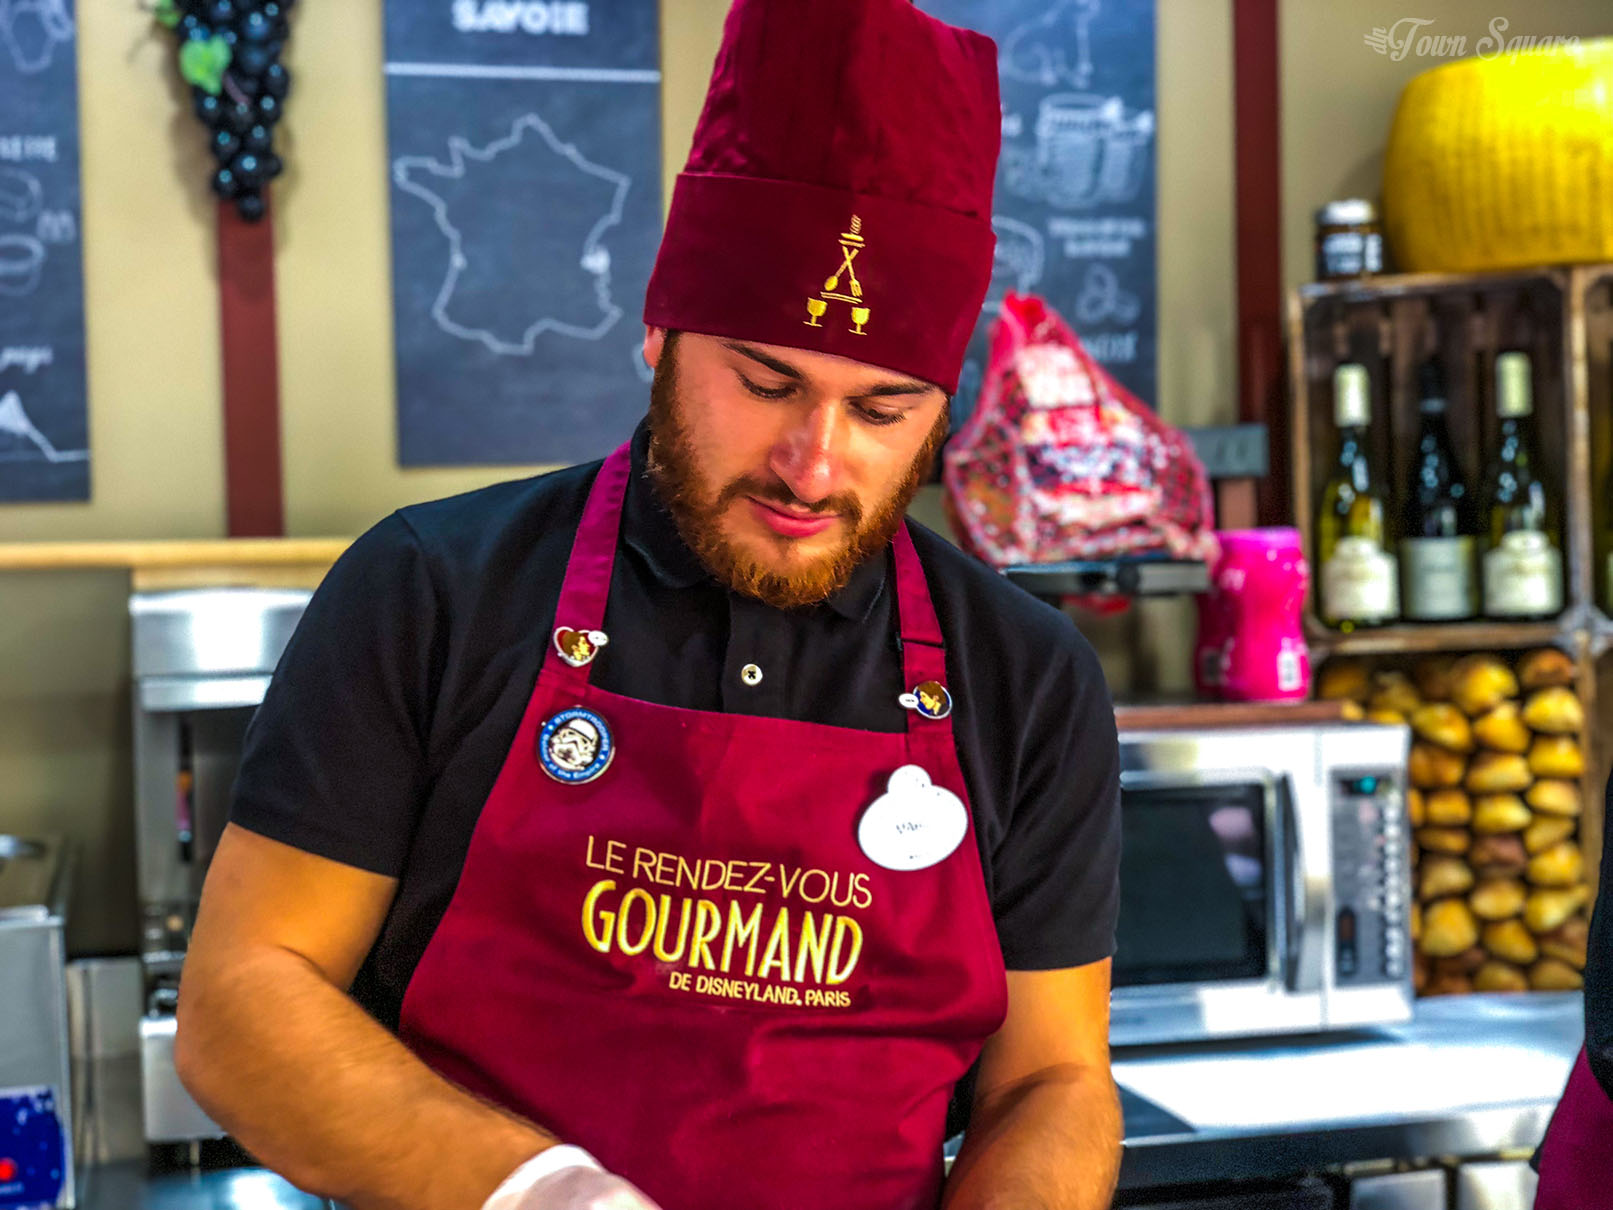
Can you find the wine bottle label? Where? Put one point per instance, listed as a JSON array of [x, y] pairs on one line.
[[1360, 583], [1439, 579], [1523, 577]]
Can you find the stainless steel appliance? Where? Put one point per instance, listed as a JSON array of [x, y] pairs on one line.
[[36, 1144], [1499, 1185], [202, 661], [1426, 1189], [1265, 882]]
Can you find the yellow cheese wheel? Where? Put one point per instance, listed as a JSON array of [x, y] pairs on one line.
[[1503, 161]]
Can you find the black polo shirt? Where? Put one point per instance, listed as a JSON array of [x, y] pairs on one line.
[[1599, 970], [398, 697]]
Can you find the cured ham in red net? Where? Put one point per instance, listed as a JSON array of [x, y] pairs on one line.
[[1060, 462]]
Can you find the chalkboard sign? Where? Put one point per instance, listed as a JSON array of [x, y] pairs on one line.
[[1074, 208], [525, 145], [44, 424]]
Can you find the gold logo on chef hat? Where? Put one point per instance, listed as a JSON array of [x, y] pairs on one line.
[[842, 285]]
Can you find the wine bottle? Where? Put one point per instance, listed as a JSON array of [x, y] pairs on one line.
[[1360, 582], [1523, 567], [1437, 525]]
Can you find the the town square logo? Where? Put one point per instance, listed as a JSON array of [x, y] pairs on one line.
[[1414, 37]]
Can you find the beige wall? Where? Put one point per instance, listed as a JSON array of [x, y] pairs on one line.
[[1339, 95], [153, 360], [333, 267], [153, 340]]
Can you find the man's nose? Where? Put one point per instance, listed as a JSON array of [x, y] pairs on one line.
[[809, 455]]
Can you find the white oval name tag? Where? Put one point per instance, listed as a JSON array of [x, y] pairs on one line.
[[914, 824]]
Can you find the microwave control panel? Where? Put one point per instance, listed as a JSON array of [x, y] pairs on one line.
[[1371, 878]]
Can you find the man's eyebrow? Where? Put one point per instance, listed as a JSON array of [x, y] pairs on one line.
[[909, 386], [761, 358]]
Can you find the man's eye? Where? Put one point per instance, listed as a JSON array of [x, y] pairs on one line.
[[762, 392], [876, 417]]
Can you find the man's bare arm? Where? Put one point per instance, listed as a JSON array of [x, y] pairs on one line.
[[1045, 1130], [272, 1047]]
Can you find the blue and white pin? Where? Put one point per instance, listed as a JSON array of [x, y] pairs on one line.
[[575, 746], [930, 699]]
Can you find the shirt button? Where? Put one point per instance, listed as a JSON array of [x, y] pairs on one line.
[[751, 675]]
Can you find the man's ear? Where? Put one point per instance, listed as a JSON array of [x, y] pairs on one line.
[[654, 342]]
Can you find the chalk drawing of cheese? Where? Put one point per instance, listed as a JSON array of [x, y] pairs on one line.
[[21, 259]]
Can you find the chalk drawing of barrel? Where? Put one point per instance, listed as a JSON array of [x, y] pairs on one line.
[[1071, 129]]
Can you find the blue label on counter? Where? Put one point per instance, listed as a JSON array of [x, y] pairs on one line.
[[33, 1148]]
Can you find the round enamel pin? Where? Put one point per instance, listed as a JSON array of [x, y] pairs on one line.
[[575, 746], [930, 699], [914, 824], [579, 647]]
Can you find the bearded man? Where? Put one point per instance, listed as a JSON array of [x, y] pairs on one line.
[[842, 848]]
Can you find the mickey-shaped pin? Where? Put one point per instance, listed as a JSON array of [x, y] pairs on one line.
[[579, 647], [914, 824]]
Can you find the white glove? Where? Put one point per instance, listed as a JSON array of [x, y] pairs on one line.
[[565, 1178]]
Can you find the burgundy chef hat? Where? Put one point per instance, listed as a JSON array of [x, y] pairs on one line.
[[838, 194]]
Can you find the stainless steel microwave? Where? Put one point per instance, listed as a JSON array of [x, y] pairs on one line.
[[1265, 883]]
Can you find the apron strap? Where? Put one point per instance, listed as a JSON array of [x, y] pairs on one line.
[[923, 651], [593, 556]]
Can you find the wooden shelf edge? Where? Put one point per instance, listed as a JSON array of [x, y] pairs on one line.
[[1399, 284], [1438, 637], [207, 554], [1170, 716]]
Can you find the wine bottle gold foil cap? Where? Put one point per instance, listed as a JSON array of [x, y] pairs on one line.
[[1352, 395], [1514, 385]]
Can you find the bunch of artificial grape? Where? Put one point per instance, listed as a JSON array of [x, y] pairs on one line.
[[229, 53]]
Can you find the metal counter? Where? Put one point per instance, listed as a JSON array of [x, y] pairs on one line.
[[126, 1185], [1470, 1076]]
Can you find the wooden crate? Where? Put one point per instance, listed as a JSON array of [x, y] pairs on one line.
[[1593, 332], [1390, 325], [1593, 682], [1564, 319], [1599, 713], [1593, 337]]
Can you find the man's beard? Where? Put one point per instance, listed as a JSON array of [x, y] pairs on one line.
[[674, 471]]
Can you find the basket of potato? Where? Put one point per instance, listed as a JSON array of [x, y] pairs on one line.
[[1494, 801]]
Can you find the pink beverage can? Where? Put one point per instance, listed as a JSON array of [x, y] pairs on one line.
[[1210, 647], [1262, 580]]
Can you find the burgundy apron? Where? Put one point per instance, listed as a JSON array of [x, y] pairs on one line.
[[1576, 1160], [686, 963]]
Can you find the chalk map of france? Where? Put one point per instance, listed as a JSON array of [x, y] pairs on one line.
[[525, 176]]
